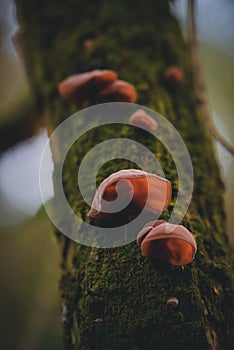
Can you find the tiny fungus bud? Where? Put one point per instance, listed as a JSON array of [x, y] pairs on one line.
[[119, 91], [82, 86], [141, 119], [173, 75], [173, 301], [136, 188], [172, 243]]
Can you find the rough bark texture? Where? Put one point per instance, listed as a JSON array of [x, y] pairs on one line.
[[115, 298]]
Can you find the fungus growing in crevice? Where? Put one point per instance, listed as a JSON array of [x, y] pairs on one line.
[[171, 243], [127, 192], [82, 86], [119, 91], [173, 76], [141, 119]]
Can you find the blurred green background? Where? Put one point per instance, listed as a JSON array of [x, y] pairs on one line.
[[29, 271], [30, 315]]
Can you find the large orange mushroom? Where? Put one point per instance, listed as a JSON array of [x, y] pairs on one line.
[[136, 188], [169, 242]]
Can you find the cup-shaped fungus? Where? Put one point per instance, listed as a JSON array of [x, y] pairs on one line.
[[78, 87], [127, 192], [169, 242], [119, 91], [141, 119], [173, 76]]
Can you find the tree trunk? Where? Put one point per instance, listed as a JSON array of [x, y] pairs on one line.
[[115, 298]]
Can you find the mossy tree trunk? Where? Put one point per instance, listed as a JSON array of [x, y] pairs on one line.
[[115, 298]]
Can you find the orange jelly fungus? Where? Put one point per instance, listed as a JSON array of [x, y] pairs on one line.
[[169, 242], [173, 75], [81, 86], [142, 190], [119, 91]]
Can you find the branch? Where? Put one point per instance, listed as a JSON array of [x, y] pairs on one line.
[[199, 84]]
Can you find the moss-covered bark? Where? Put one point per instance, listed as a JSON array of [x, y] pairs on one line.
[[114, 298]]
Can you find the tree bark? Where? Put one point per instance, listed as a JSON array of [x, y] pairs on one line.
[[115, 298]]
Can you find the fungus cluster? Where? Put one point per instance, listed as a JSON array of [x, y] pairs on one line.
[[104, 86], [126, 193], [100, 84], [169, 242], [141, 190], [136, 190]]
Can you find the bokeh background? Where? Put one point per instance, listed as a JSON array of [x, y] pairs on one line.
[[30, 317]]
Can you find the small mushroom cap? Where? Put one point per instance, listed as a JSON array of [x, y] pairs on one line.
[[141, 119], [119, 91], [147, 228], [81, 86], [172, 243], [140, 190], [173, 75], [173, 301]]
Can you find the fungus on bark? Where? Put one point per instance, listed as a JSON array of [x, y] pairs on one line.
[[82, 86], [142, 120], [119, 91], [173, 76], [136, 188], [173, 302], [169, 242]]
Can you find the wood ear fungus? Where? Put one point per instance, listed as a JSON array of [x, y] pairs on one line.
[[142, 120], [81, 86], [173, 302], [119, 91], [141, 190], [173, 76], [172, 243]]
